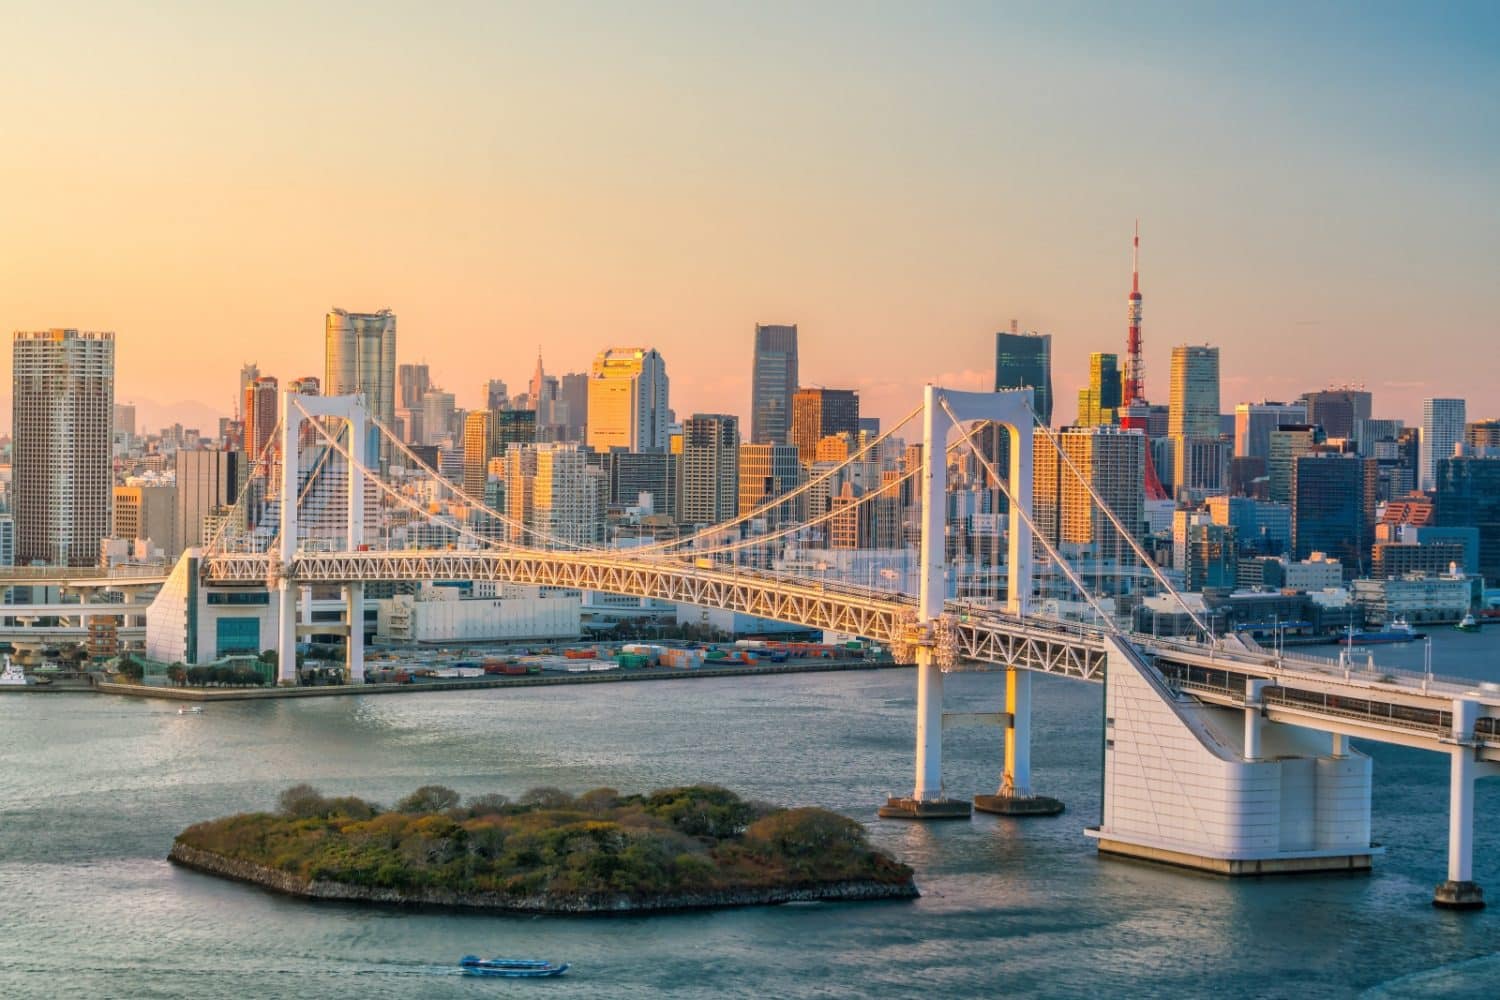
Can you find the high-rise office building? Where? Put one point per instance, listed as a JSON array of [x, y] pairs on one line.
[[1288, 442], [1100, 402], [1333, 507], [768, 471], [573, 394], [1193, 420], [208, 483], [1338, 409], [1483, 434], [709, 468], [478, 450], [627, 405], [249, 372], [634, 474], [820, 413], [360, 357], [262, 414], [496, 394], [1468, 496], [1254, 422], [1025, 359], [1369, 432], [1194, 405], [773, 379], [437, 417], [551, 489], [1110, 459], [514, 427], [125, 419], [1442, 428], [412, 383], [63, 405]]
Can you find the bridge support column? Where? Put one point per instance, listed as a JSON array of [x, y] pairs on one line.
[[1254, 688], [354, 613], [286, 632], [1015, 797], [1460, 892], [927, 800]]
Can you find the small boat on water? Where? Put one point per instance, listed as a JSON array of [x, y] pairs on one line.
[[510, 968], [195, 710], [1397, 630], [1467, 624]]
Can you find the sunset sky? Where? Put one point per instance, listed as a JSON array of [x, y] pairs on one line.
[[1318, 188]]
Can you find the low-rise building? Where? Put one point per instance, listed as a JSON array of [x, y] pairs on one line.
[[1418, 598]]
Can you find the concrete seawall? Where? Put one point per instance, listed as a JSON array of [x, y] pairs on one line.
[[481, 683]]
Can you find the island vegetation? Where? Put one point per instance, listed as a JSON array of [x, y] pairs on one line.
[[548, 851]]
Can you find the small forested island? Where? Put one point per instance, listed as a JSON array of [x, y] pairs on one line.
[[548, 851]]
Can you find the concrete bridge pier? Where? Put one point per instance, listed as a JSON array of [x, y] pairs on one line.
[[927, 800], [286, 632], [1015, 797], [354, 612], [1460, 891]]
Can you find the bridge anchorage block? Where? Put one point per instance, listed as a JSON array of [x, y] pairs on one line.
[[1451, 895], [909, 808]]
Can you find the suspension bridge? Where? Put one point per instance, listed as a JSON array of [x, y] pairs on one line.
[[1219, 755]]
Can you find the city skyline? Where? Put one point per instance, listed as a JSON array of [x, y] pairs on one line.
[[492, 226]]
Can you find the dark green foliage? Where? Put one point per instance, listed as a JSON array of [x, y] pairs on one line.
[[131, 668], [678, 840], [428, 799]]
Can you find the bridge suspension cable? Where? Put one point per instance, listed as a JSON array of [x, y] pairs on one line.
[[258, 465], [1129, 536]]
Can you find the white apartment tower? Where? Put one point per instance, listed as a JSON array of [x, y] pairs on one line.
[[63, 414], [628, 400], [1442, 428]]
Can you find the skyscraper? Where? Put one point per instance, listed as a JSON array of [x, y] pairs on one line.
[[1287, 443], [773, 379], [360, 357], [1098, 403], [1110, 459], [573, 393], [249, 372], [1254, 422], [496, 394], [63, 410], [413, 381], [208, 483], [818, 413], [1338, 409], [628, 400], [709, 468], [1193, 419], [262, 413], [1333, 507], [1442, 428], [768, 471], [1482, 434], [437, 416], [1025, 359], [1194, 402], [478, 450], [1468, 495]]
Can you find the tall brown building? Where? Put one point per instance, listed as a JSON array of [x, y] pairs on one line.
[[817, 413]]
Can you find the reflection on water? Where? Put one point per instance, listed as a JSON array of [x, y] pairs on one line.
[[94, 788]]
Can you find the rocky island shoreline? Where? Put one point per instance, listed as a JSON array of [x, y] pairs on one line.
[[698, 847]]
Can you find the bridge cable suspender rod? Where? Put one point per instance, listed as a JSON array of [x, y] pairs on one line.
[[706, 533], [1129, 537], [395, 494], [1040, 536], [826, 516]]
